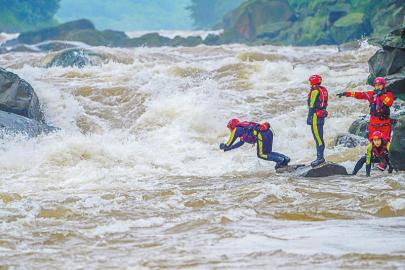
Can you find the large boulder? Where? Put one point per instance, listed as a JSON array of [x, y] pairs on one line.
[[17, 96], [55, 33], [352, 26], [11, 123], [397, 151], [389, 62], [80, 30]]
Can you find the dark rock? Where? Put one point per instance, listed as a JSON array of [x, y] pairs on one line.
[[17, 96], [213, 40], [98, 38], [148, 40], [16, 124], [397, 150], [186, 42], [81, 30], [324, 170], [395, 39], [76, 58], [351, 141], [360, 127], [389, 62], [55, 33], [289, 168]]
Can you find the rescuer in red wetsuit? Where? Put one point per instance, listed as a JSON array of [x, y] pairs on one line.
[[380, 100]]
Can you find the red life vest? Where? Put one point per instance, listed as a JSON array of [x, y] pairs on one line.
[[381, 153], [323, 97], [378, 108], [248, 134], [323, 101]]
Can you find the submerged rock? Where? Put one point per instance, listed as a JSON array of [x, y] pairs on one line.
[[397, 151], [17, 96], [76, 58], [324, 170], [16, 124], [350, 140]]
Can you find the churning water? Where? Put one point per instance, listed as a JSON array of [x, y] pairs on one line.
[[135, 179]]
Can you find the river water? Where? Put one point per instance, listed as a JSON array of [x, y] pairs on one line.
[[135, 179]]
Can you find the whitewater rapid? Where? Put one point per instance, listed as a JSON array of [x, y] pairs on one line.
[[135, 178]]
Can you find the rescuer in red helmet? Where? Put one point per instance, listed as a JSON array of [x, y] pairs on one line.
[[252, 133], [377, 152], [317, 104], [380, 100]]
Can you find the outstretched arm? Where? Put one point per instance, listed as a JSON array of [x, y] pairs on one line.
[[357, 95], [230, 144], [234, 146]]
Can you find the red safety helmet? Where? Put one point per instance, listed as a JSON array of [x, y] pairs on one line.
[[379, 80], [233, 123], [264, 126], [315, 80], [377, 135]]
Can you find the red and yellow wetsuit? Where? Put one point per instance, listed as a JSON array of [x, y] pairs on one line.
[[380, 103]]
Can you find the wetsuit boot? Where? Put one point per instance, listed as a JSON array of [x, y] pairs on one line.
[[320, 159], [280, 159], [317, 162]]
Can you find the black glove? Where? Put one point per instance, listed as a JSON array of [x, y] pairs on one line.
[[222, 146], [343, 94]]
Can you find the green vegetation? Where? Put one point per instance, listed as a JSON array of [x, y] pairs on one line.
[[208, 13], [23, 15], [312, 22]]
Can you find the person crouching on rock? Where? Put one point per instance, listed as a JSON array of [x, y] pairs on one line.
[[380, 100], [317, 104], [251, 132], [377, 152]]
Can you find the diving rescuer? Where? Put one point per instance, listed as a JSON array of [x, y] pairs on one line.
[[252, 133], [317, 105], [380, 100]]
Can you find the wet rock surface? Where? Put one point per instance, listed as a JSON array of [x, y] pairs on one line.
[[324, 170], [20, 110], [389, 62], [350, 140], [17, 96]]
